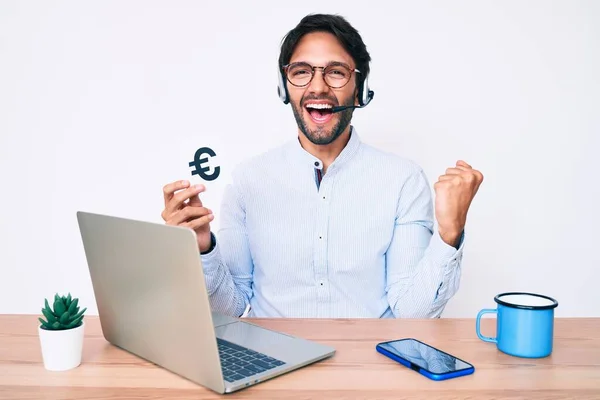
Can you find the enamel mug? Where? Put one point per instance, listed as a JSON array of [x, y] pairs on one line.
[[524, 324]]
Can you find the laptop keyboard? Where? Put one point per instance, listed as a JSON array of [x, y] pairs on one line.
[[238, 362]]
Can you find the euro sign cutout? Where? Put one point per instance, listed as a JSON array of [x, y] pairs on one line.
[[198, 161]]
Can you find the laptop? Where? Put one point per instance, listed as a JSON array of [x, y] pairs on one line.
[[152, 301]]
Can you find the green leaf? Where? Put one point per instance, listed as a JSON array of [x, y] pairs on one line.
[[49, 308], [59, 308], [68, 302], [49, 316], [56, 325], [66, 317], [75, 323], [46, 325], [80, 313], [72, 308]]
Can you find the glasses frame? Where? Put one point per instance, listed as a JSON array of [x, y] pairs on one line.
[[314, 67]]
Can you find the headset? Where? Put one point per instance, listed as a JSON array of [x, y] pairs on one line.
[[365, 94]]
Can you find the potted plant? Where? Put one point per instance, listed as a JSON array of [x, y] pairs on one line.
[[61, 334]]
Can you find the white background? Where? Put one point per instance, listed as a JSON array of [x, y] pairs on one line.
[[103, 103]]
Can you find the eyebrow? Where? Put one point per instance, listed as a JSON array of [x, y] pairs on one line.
[[330, 63], [335, 63]]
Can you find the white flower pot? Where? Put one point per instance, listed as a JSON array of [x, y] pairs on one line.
[[61, 350]]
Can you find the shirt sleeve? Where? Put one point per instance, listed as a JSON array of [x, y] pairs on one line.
[[228, 267], [423, 272]]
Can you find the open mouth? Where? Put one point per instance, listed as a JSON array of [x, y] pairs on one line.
[[320, 112]]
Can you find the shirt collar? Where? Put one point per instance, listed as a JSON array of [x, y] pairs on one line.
[[300, 155]]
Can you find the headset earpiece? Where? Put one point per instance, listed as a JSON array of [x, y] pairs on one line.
[[365, 94], [282, 87]]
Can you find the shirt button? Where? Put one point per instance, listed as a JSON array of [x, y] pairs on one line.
[[317, 164]]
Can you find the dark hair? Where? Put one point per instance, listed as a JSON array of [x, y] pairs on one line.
[[336, 25]]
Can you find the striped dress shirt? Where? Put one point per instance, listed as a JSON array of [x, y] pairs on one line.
[[358, 244]]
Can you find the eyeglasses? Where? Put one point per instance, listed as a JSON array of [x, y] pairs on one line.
[[336, 75]]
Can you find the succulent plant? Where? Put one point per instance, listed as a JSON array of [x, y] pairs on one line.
[[65, 315]]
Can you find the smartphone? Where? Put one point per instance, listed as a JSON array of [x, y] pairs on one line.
[[425, 359]]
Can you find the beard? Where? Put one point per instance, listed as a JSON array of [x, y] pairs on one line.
[[321, 135]]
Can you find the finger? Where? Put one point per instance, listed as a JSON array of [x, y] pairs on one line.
[[443, 178], [461, 163], [195, 201], [479, 175], [466, 169], [177, 202], [478, 179], [454, 171], [171, 188], [188, 214], [199, 222], [193, 197]]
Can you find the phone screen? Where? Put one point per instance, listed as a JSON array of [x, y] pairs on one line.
[[425, 356]]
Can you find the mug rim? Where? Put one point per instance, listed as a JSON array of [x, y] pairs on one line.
[[498, 300]]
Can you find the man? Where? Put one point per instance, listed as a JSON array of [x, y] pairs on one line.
[[327, 226]]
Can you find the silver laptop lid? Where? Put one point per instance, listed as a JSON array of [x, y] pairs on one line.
[[151, 295]]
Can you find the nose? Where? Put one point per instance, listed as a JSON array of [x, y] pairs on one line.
[[318, 85]]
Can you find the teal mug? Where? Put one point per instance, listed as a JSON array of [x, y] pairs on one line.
[[524, 324]]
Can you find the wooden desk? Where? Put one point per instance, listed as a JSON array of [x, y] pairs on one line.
[[357, 371]]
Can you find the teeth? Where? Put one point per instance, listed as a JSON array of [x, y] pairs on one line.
[[318, 106]]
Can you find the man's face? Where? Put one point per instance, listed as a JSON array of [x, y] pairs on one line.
[[310, 102]]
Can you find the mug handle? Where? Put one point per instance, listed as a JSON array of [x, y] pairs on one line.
[[477, 325]]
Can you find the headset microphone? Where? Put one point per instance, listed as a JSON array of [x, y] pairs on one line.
[[342, 108], [364, 101]]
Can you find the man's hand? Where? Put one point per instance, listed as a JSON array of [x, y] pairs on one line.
[[454, 192], [185, 209]]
